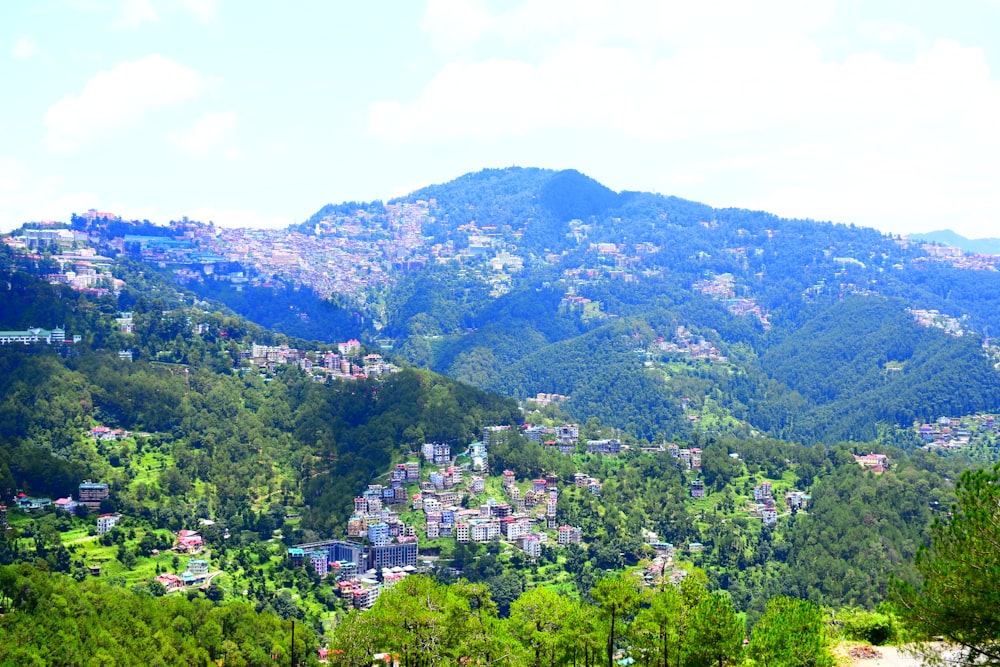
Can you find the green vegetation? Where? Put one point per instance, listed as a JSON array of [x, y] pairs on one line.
[[630, 305], [957, 598], [53, 620], [425, 623]]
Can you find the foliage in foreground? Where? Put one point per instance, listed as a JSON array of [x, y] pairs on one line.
[[53, 620], [959, 599], [423, 623]]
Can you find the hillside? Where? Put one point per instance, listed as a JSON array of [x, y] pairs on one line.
[[207, 411], [751, 282], [229, 452], [949, 238], [523, 281]]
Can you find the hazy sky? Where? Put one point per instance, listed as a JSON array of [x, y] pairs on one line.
[[885, 114]]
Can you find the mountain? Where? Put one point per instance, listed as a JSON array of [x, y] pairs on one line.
[[770, 354], [657, 315], [601, 280], [209, 412], [987, 246]]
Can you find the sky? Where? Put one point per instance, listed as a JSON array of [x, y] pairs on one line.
[[880, 113]]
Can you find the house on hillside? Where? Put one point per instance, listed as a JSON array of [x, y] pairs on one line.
[[92, 493], [797, 499], [569, 535], [171, 582], [769, 513], [606, 446], [763, 491], [106, 522], [873, 462], [695, 457], [66, 504], [188, 542]]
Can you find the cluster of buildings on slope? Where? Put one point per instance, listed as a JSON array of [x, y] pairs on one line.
[[955, 432], [615, 261], [328, 263], [932, 318], [390, 551], [723, 288], [582, 480], [37, 336], [764, 506], [695, 347], [441, 496], [74, 263], [343, 364], [840, 289], [192, 544], [196, 574], [689, 458], [958, 258], [562, 437], [347, 252], [543, 399], [89, 494], [662, 569], [873, 462], [108, 434]]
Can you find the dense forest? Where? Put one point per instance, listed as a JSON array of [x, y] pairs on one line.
[[50, 619], [326, 441], [781, 349], [212, 424]]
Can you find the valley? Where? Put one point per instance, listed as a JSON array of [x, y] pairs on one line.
[[519, 381]]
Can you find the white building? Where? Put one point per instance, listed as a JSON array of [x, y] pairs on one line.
[[531, 545], [106, 522]]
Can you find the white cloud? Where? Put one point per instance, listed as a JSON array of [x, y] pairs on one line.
[[229, 217], [13, 175], [134, 13], [119, 98], [209, 132], [454, 24], [203, 10], [24, 47], [404, 190], [747, 73], [29, 197], [737, 102], [892, 32]]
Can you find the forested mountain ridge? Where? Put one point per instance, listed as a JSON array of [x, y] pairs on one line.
[[249, 449], [195, 418], [750, 282], [525, 280], [207, 417]]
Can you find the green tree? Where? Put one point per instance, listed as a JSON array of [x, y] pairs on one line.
[[477, 631], [156, 589], [355, 636], [411, 622], [716, 632], [959, 597], [618, 598], [657, 628], [538, 620], [790, 634]]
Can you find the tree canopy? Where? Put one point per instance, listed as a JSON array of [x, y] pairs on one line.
[[958, 597]]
